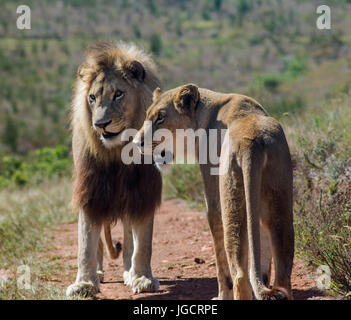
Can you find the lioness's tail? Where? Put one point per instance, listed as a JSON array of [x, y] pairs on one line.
[[114, 250], [252, 166]]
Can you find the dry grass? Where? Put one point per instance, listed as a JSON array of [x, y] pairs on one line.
[[26, 217]]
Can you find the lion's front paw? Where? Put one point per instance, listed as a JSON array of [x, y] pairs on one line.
[[140, 283], [144, 284], [127, 278], [85, 289]]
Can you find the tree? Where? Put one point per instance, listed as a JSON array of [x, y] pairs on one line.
[[242, 7], [156, 44]]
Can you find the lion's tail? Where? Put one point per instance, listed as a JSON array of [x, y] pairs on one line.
[[114, 249]]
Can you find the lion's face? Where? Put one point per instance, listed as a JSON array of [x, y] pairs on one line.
[[114, 107], [171, 110]]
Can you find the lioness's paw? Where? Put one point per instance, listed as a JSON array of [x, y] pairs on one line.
[[144, 284], [225, 295], [85, 289]]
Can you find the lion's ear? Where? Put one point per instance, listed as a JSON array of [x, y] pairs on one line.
[[135, 70], [187, 98], [157, 92], [85, 72]]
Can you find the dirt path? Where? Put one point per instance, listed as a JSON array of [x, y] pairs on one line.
[[180, 236]]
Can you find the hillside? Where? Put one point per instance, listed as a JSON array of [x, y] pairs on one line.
[[227, 45]]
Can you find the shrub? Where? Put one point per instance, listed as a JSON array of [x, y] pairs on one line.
[[185, 181], [35, 167], [156, 44], [323, 220]]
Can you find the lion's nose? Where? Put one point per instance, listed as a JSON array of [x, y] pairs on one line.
[[101, 124]]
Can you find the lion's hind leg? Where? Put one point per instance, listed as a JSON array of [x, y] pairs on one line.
[[100, 261]]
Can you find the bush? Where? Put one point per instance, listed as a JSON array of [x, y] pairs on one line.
[[35, 167], [185, 181], [269, 81], [156, 44], [323, 220]]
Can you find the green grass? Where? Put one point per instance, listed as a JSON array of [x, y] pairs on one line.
[[185, 181]]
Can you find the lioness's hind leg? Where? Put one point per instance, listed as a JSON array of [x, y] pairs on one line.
[[235, 233], [282, 242], [266, 256], [225, 282]]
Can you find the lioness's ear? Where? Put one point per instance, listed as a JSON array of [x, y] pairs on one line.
[[187, 98], [135, 70], [156, 94]]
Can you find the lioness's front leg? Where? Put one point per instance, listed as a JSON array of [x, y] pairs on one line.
[[87, 281], [225, 282], [139, 276]]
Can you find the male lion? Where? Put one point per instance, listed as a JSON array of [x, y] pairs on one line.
[[113, 89], [252, 192]]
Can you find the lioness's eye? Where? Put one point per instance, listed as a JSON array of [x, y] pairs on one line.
[[92, 98], [160, 118], [118, 94]]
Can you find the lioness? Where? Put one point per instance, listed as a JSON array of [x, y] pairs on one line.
[[113, 89], [254, 190]]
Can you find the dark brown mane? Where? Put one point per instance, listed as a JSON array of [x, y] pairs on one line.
[[108, 192]]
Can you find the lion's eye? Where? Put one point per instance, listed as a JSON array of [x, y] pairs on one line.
[[160, 118], [118, 94], [92, 98]]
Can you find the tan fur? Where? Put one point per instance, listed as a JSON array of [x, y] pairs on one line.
[[114, 249], [105, 189], [253, 195]]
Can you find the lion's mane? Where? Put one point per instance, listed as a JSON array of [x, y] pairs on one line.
[[104, 187]]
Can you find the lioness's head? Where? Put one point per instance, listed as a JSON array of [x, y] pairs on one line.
[[113, 90], [173, 109]]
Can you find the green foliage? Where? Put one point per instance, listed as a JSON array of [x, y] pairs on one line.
[[156, 44], [323, 191], [10, 135], [294, 67], [35, 167], [242, 7], [269, 82], [185, 181], [217, 4]]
